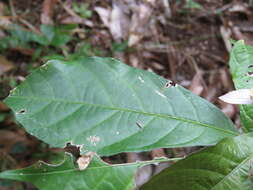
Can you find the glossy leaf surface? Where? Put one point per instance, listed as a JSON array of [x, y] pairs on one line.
[[109, 107], [226, 166], [241, 67], [97, 176]]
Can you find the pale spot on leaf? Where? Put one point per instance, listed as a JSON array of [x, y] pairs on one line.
[[93, 140], [160, 94], [84, 160], [141, 79]]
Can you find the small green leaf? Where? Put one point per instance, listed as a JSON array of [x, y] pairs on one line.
[[107, 107], [48, 31], [2, 116], [226, 166], [57, 36], [82, 9], [97, 176], [191, 4], [119, 47], [241, 67]]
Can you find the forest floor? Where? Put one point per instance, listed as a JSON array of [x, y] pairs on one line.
[[185, 41]]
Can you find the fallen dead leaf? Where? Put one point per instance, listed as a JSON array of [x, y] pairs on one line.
[[158, 153], [47, 11], [10, 138], [196, 84], [3, 107], [104, 15], [144, 173], [115, 19], [138, 23], [226, 35], [5, 65], [115, 22], [228, 109]]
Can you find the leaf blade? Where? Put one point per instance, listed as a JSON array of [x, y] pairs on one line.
[[225, 166], [90, 101], [240, 63], [99, 175]]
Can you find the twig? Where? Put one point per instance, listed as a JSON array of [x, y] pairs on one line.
[[13, 12], [216, 11], [23, 21], [30, 26], [69, 10]]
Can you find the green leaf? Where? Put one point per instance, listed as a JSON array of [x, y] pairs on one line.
[[97, 176], [82, 9], [2, 116], [108, 107], [191, 4], [119, 47], [241, 67], [56, 36], [226, 166], [48, 31]]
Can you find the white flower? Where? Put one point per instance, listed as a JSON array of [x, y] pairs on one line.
[[242, 96]]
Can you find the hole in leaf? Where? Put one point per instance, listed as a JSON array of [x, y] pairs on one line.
[[250, 73], [72, 148], [170, 84], [22, 111], [139, 125]]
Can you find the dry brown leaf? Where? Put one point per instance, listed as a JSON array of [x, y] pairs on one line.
[[158, 153], [196, 84], [240, 36], [228, 109], [226, 35], [139, 23], [210, 95], [5, 65], [115, 25], [144, 173], [116, 20], [104, 15], [9, 138], [25, 51], [239, 7], [3, 107], [225, 78], [77, 20], [47, 11]]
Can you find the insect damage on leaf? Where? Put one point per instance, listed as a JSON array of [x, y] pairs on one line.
[[139, 124], [241, 96], [22, 111], [141, 79], [85, 160], [93, 140], [170, 84]]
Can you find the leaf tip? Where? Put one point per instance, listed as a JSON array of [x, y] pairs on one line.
[[242, 96]]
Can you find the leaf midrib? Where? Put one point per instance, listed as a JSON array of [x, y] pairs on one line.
[[129, 110], [234, 170], [137, 164]]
